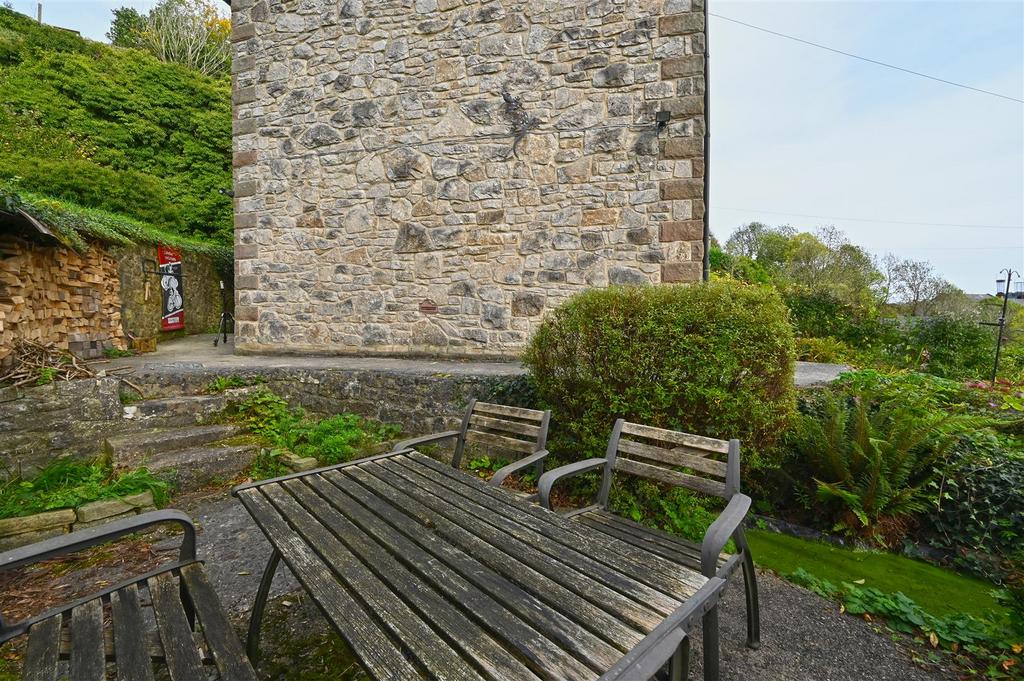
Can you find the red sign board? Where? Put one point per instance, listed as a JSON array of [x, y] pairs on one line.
[[170, 284]]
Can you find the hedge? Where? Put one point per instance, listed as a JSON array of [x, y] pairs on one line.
[[714, 358]]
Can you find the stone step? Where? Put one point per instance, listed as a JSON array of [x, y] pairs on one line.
[[136, 448], [194, 467], [184, 410]]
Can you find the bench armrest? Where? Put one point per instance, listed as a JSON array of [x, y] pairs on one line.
[[515, 466], [83, 539], [548, 480], [414, 442], [730, 520], [654, 650]]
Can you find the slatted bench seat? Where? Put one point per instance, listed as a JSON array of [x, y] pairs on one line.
[[515, 431], [682, 460], [168, 620]]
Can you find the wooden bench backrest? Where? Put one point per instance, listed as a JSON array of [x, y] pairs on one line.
[[512, 429], [703, 464]]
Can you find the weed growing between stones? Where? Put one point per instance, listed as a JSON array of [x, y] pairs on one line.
[[330, 440], [128, 397], [222, 383], [269, 463]]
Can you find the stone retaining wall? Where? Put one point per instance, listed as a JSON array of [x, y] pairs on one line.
[[418, 401], [141, 294], [63, 418], [431, 177], [73, 418], [15, 532]]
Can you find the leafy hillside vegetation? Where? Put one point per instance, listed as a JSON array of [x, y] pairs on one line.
[[114, 129]]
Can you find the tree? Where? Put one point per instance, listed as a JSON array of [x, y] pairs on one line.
[[823, 262], [915, 283], [127, 27], [188, 32]]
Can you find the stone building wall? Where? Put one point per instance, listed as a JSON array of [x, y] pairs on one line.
[[54, 295], [432, 176]]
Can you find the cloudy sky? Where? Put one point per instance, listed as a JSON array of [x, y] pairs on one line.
[[808, 137]]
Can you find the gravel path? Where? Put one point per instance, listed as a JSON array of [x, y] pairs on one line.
[[805, 638]]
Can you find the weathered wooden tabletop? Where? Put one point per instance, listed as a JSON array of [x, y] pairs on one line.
[[429, 573]]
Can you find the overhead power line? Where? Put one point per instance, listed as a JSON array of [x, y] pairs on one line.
[[881, 222], [867, 59]]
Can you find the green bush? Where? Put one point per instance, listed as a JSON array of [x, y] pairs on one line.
[[115, 129], [980, 646], [947, 346], [331, 440], [714, 359], [817, 314], [68, 483], [827, 349], [978, 513]]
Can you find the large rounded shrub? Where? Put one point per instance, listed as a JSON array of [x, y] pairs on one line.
[[713, 358]]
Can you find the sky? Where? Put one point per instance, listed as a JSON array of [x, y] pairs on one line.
[[798, 131]]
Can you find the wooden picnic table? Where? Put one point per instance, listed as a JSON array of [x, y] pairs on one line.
[[428, 572]]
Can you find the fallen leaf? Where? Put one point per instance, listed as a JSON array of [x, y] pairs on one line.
[[858, 581], [933, 639]]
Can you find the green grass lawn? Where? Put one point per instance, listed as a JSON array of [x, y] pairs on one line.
[[940, 592]]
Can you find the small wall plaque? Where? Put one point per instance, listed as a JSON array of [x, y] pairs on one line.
[[428, 306]]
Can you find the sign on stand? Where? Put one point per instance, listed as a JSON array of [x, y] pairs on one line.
[[170, 282]]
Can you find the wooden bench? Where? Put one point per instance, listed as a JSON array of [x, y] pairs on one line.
[[522, 433], [681, 460], [192, 639]]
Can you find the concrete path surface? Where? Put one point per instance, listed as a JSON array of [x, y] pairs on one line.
[[197, 353], [805, 638]]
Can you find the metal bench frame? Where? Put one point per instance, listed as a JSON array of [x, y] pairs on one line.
[[513, 429], [661, 464]]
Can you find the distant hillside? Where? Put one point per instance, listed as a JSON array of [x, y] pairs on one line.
[[114, 129]]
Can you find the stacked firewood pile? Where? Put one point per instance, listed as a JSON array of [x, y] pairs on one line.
[[55, 295]]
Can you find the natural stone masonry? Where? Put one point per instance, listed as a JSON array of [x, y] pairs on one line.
[[432, 176], [15, 532]]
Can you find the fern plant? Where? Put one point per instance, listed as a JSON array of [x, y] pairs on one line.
[[872, 461]]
